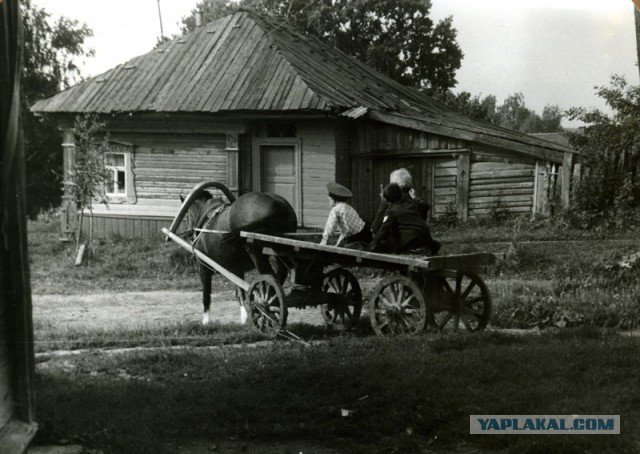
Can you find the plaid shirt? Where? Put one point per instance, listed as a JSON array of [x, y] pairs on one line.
[[343, 218]]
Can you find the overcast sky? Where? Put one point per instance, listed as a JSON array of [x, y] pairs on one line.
[[553, 51]]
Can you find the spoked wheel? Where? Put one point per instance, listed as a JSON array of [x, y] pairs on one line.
[[397, 307], [469, 302], [265, 305], [343, 313]]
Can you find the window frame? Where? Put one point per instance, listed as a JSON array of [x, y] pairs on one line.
[[128, 195]]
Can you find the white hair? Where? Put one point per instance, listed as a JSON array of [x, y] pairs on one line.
[[401, 177]]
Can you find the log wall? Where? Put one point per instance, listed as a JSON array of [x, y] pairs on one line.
[[165, 165], [377, 149], [453, 175], [500, 183], [456, 177]]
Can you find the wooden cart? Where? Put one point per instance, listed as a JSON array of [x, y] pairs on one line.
[[439, 291]]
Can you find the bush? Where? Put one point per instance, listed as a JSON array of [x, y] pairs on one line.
[[609, 192]]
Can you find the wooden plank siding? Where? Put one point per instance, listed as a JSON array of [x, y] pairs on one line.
[[128, 226], [165, 166], [444, 186], [318, 167], [378, 149], [499, 184], [162, 174], [376, 137]]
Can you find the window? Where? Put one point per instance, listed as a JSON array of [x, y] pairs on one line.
[[281, 130], [118, 161], [117, 183]]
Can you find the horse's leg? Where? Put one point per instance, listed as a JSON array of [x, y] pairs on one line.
[[205, 278], [241, 294], [280, 267], [260, 260]]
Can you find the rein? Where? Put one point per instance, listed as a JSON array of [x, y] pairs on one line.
[[205, 222]]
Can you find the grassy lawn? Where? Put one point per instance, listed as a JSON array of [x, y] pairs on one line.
[[403, 394]]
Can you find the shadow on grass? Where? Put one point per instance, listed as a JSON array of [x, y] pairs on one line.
[[402, 394]]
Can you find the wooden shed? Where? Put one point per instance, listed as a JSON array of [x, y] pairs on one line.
[[17, 395], [248, 101]]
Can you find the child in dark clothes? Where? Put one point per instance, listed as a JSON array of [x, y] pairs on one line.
[[403, 228]]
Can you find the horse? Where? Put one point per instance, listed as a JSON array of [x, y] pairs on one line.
[[215, 227]]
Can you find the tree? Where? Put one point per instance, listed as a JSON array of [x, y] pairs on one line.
[[474, 107], [89, 174], [512, 113], [49, 65], [609, 150], [394, 37]]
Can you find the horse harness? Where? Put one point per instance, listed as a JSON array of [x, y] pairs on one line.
[[205, 220]]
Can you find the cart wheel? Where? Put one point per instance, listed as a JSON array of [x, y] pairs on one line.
[[344, 313], [265, 305], [469, 302], [397, 307]]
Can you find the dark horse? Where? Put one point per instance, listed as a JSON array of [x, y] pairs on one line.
[[215, 227]]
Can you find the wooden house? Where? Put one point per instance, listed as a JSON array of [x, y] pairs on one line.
[[248, 101]]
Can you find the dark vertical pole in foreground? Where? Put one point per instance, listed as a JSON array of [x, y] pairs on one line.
[[15, 287], [636, 10]]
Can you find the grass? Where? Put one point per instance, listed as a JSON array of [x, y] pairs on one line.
[[405, 394], [117, 264]]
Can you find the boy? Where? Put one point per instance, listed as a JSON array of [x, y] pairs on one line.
[[344, 218]]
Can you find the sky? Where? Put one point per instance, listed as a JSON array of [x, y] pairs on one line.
[[552, 51]]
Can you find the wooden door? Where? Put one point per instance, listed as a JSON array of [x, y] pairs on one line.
[[279, 173]]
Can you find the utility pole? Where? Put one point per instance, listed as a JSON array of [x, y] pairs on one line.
[[160, 17]]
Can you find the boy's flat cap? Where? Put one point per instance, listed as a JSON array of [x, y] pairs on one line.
[[338, 190]]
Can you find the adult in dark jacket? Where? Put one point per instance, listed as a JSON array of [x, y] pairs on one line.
[[403, 228], [403, 179]]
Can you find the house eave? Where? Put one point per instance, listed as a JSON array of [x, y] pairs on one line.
[[552, 152]]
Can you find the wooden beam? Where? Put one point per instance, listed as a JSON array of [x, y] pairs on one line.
[[16, 435], [538, 188], [462, 184], [567, 172], [213, 264]]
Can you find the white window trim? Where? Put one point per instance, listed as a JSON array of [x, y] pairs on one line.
[[129, 195]]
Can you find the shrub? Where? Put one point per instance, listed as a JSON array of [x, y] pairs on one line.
[[450, 216], [609, 192]]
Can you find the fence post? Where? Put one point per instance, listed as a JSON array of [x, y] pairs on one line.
[[69, 207], [567, 171]]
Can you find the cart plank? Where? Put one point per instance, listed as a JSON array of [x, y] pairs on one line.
[[275, 245]]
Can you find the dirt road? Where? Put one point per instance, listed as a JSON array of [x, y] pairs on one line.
[[133, 309]]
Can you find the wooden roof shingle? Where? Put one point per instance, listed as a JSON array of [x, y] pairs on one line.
[[245, 62]]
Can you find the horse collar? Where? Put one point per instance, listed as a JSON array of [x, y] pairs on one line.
[[210, 215]]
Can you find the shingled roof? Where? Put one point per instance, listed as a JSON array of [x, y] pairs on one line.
[[244, 62]]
